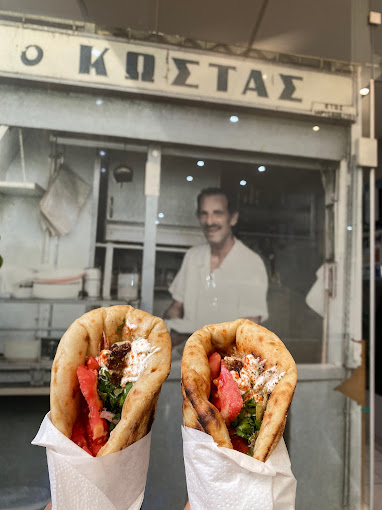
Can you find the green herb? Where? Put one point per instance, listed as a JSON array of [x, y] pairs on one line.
[[250, 405], [112, 396], [239, 418], [246, 428], [120, 327], [114, 421], [246, 424]]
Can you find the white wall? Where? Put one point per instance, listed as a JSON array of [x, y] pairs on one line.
[[22, 235]]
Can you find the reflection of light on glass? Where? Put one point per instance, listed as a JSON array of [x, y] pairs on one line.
[[200, 163], [95, 52], [316, 128], [243, 182], [99, 101], [103, 169], [261, 168], [364, 91], [190, 178], [234, 118], [349, 227], [160, 215], [157, 222], [102, 153]]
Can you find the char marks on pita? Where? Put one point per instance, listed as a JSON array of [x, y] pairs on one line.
[[236, 339]]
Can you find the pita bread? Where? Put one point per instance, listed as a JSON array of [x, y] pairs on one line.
[[83, 339], [241, 337]]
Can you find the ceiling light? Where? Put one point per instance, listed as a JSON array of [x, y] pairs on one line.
[[102, 153], [99, 101], [190, 178], [200, 163], [261, 168], [157, 222], [364, 91], [349, 227], [160, 215], [234, 118], [103, 170], [316, 128], [243, 182]]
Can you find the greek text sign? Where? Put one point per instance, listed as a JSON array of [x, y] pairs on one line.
[[92, 61]]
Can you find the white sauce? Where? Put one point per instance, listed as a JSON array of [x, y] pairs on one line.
[[135, 360], [253, 378], [130, 326]]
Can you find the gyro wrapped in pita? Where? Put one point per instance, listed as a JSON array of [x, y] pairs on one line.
[[106, 379], [238, 381], [252, 388], [115, 326]]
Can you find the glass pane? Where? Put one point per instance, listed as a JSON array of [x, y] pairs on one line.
[[281, 219]]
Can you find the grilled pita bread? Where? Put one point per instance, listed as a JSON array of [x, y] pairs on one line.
[[83, 339], [239, 337]]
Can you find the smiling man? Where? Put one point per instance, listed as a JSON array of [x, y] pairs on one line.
[[220, 280]]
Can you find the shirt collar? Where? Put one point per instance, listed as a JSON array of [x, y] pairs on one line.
[[207, 261]]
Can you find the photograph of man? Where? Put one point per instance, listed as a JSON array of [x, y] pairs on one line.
[[219, 280]]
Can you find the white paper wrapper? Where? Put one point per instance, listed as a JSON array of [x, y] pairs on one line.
[[223, 479], [81, 482]]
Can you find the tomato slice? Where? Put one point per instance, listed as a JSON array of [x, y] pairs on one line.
[[99, 429], [215, 361], [240, 444], [229, 394], [78, 436], [231, 431], [95, 448], [214, 398], [92, 363]]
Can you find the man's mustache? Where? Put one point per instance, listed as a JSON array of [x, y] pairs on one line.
[[208, 228]]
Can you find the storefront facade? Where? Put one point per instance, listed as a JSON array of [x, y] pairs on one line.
[[163, 110]]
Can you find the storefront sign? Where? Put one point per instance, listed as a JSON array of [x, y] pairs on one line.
[[93, 61]]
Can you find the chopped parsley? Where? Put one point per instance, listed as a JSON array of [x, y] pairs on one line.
[[250, 405], [112, 396], [120, 327], [246, 425]]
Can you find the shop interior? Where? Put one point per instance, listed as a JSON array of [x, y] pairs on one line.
[[281, 217]]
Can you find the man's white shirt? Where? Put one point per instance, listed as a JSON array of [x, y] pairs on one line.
[[237, 288]]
